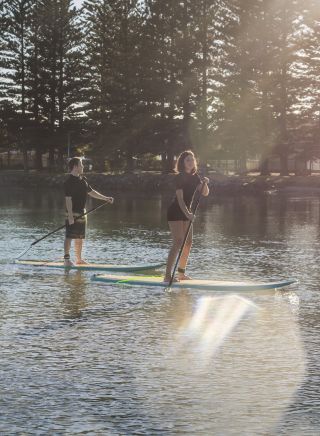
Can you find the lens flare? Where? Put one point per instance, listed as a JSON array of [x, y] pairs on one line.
[[213, 320]]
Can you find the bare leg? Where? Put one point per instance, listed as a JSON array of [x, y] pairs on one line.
[[67, 246], [176, 228], [78, 251], [186, 251]]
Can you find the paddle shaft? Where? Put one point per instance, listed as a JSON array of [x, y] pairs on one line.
[[62, 227], [185, 237]]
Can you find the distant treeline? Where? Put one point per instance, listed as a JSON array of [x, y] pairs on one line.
[[119, 79]]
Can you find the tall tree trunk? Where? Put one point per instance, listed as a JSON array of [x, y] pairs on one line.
[[38, 157], [242, 164], [129, 162], [284, 101], [128, 140], [264, 166], [25, 155], [38, 145], [204, 104], [60, 89], [186, 84], [53, 87], [170, 160], [51, 157], [23, 91], [164, 162], [266, 111]]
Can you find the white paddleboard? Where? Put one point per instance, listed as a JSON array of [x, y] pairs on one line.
[[212, 285], [92, 266]]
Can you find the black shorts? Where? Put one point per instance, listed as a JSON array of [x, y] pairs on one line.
[[174, 213], [77, 230]]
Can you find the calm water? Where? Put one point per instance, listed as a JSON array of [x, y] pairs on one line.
[[84, 358]]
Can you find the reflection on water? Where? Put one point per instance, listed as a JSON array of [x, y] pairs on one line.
[[81, 357], [74, 302]]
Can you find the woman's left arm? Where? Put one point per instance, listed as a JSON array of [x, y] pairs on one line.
[[203, 187]]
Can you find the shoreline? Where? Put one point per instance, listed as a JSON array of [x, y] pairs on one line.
[[151, 182]]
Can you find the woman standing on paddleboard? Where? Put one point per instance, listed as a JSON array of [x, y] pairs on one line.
[[179, 215]]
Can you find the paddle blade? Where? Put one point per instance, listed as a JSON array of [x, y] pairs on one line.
[[23, 253]]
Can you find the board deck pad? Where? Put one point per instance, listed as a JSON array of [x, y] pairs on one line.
[[214, 285], [92, 266]]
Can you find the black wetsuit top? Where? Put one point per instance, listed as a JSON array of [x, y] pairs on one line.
[[77, 188], [188, 183]]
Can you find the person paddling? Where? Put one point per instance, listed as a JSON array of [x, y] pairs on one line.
[[76, 190], [179, 215]]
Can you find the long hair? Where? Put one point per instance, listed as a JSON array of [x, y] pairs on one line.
[[179, 167]]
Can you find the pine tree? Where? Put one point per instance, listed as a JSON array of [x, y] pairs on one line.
[[172, 35], [259, 92], [3, 27], [211, 17], [161, 84], [236, 133], [305, 124], [285, 14], [14, 59], [97, 23], [55, 75], [113, 53]]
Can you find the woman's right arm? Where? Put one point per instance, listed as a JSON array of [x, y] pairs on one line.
[[182, 204]]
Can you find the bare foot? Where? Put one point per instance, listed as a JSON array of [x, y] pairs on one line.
[[68, 263], [167, 280], [82, 262], [184, 277]]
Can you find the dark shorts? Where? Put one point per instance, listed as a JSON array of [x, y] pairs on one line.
[[174, 213], [77, 230]]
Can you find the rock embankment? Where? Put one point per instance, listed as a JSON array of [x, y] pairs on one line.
[[162, 183]]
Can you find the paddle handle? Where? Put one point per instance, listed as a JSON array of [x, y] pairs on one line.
[[186, 236]]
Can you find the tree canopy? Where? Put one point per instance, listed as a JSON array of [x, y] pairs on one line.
[[124, 78]]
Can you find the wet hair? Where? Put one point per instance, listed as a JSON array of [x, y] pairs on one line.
[[74, 162], [180, 168]]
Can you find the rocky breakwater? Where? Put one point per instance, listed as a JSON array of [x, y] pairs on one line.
[[147, 182], [139, 182]]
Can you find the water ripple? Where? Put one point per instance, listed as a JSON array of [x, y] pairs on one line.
[[84, 358]]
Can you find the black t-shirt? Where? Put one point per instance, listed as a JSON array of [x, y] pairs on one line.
[[77, 188], [188, 183]]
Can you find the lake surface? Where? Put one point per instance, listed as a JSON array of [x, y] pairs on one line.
[[79, 357]]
